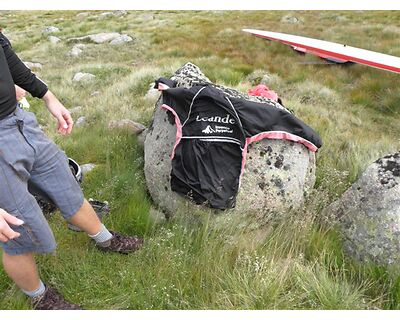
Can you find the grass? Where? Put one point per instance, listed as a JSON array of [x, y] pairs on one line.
[[199, 260]]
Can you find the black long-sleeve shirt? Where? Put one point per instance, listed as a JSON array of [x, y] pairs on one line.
[[13, 71]]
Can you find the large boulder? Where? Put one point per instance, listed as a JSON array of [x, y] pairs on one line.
[[278, 177], [158, 146], [278, 173], [369, 213]]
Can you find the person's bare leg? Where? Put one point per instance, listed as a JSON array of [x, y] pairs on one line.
[[87, 219], [22, 270]]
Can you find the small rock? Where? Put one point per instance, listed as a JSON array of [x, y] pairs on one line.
[[146, 17], [82, 76], [80, 122], [120, 13], [95, 93], [33, 65], [341, 18], [75, 109], [75, 51], [87, 167], [217, 12], [109, 14], [121, 40], [127, 124], [106, 14], [258, 76], [391, 29], [80, 46], [290, 19], [97, 38], [152, 94], [142, 137], [83, 14], [54, 39], [50, 29]]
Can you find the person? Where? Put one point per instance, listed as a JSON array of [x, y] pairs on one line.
[[27, 155]]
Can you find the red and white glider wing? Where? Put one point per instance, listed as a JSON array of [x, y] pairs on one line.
[[333, 50]]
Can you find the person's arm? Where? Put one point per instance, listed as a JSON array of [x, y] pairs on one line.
[[22, 76], [19, 93], [63, 116], [6, 233]]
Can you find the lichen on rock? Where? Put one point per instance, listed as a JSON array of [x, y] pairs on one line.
[[369, 213]]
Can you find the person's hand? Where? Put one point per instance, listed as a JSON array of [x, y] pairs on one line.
[[6, 233], [63, 116], [19, 92]]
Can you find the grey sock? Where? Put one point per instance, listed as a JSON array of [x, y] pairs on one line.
[[102, 236], [35, 293]]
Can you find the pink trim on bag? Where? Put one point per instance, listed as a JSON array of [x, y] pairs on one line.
[[178, 124], [162, 86], [263, 91], [281, 135], [244, 155]]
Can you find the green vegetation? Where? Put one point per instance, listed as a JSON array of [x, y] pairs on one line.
[[197, 262]]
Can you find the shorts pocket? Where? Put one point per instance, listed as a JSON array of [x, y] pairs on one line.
[[34, 234]]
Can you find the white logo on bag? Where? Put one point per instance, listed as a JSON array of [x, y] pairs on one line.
[[217, 129], [208, 130], [222, 129], [218, 119]]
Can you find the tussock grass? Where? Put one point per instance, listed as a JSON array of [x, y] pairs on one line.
[[200, 260]]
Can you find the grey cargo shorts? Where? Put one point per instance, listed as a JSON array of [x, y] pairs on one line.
[[26, 154]]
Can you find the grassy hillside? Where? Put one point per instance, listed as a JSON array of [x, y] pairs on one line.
[[192, 264]]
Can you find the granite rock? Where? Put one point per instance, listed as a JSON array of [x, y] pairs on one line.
[[278, 174], [369, 213]]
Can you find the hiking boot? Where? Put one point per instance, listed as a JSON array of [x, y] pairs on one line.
[[51, 299], [121, 244]]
